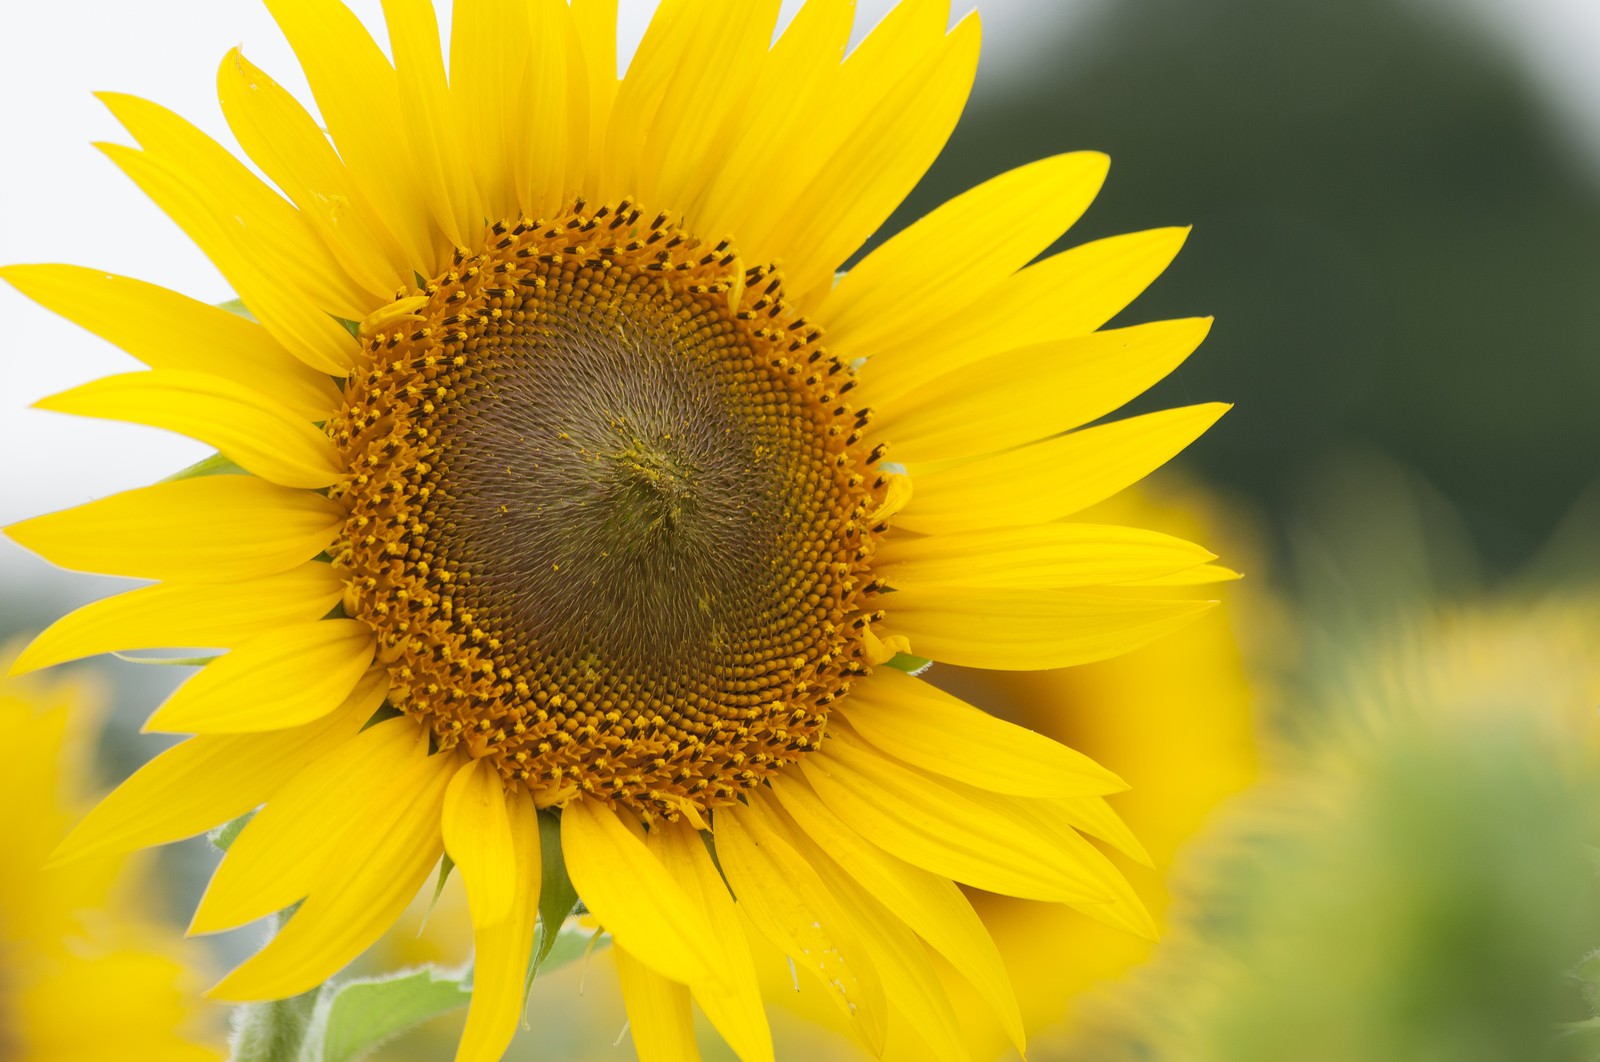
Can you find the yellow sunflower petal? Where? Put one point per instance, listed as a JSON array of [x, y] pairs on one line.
[[694, 123], [928, 728], [1034, 392], [798, 70], [443, 174], [213, 528], [788, 903], [477, 834], [279, 232], [1095, 817], [878, 163], [634, 896], [1055, 478], [1037, 556], [1069, 294], [639, 94], [954, 830], [501, 951], [285, 677], [732, 1001], [594, 24], [1199, 575], [285, 849], [275, 298], [263, 436], [361, 106], [211, 779], [179, 614], [1030, 629], [166, 330], [1055, 819], [846, 96], [488, 54], [660, 1018], [549, 150], [294, 152], [1004, 222], [900, 958], [930, 905], [384, 855]]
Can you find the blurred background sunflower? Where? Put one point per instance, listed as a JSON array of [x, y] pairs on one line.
[[86, 970], [1397, 208]]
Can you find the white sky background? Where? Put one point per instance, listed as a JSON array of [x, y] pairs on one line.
[[61, 200]]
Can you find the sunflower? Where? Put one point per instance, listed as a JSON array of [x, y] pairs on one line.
[[566, 480], [79, 957]]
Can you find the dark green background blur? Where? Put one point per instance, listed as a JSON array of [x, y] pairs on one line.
[[1401, 248]]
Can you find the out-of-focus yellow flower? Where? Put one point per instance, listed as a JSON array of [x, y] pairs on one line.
[[1416, 881], [81, 974]]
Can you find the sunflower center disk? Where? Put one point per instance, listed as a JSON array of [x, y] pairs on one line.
[[609, 513]]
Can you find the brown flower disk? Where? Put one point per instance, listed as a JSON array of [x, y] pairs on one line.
[[610, 512]]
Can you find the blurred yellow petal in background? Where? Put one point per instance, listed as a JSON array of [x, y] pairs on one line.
[[84, 971]]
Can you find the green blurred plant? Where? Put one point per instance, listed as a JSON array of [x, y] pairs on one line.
[[1417, 879]]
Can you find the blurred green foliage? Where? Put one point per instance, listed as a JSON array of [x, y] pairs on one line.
[[1424, 901], [1416, 879], [1400, 249]]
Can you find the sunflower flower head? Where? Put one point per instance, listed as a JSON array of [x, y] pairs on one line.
[[570, 483]]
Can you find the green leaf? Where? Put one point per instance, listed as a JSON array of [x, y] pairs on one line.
[[1587, 974], [215, 465], [557, 897], [911, 665], [1584, 1036], [356, 1017], [223, 836], [353, 327], [237, 306], [1588, 971], [570, 943]]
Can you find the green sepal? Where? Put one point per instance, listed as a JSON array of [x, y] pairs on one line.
[[557, 897], [446, 865], [382, 714], [237, 306], [215, 465], [911, 665], [353, 327], [166, 661], [223, 836]]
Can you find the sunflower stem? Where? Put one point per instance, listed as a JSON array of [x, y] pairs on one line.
[[273, 1031]]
